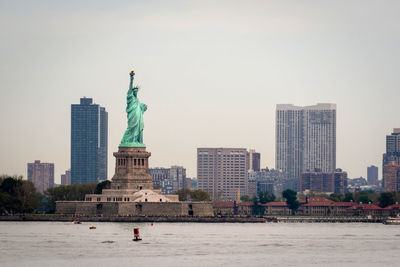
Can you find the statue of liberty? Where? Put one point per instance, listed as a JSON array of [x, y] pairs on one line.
[[133, 136]]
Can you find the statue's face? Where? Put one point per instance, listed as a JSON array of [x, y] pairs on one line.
[[135, 90]]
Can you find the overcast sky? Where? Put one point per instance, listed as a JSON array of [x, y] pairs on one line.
[[211, 73]]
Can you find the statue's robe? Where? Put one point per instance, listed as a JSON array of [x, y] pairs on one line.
[[134, 111]]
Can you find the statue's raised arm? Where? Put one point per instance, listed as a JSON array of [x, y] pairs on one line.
[[133, 136], [132, 74]]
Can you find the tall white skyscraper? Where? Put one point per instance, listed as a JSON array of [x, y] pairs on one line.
[[305, 138]]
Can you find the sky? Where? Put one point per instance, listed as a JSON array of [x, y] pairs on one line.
[[211, 73]]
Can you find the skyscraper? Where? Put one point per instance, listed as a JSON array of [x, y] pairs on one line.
[[89, 142], [222, 172], [372, 175], [305, 138], [41, 175], [392, 147]]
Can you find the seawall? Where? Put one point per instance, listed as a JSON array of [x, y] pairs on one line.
[[171, 219]]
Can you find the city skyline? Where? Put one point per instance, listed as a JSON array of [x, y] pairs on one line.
[[233, 67]]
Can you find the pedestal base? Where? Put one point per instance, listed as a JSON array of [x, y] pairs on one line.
[[132, 169]]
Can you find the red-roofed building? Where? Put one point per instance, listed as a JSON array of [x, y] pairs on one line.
[[277, 208], [366, 210], [392, 210]]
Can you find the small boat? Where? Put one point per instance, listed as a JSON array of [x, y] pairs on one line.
[[92, 227], [136, 236], [392, 220], [77, 222]]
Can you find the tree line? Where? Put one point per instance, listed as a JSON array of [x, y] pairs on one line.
[[20, 196]]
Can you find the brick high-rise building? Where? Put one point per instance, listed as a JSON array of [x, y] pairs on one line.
[[41, 175], [305, 138], [89, 142], [391, 177], [372, 175], [222, 172]]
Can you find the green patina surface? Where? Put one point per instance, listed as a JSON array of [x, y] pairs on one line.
[[133, 136]]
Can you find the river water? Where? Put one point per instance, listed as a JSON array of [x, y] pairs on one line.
[[199, 244]]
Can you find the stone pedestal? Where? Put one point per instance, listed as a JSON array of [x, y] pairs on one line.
[[131, 169]]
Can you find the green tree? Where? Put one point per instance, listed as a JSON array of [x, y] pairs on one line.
[[265, 197], [245, 198], [336, 197], [17, 195], [102, 185], [348, 197], [195, 195], [291, 199], [199, 195], [75, 192], [364, 198], [257, 208], [386, 199]]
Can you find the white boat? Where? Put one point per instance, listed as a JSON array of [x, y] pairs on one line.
[[392, 220]]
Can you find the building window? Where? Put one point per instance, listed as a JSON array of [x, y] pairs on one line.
[[98, 199]]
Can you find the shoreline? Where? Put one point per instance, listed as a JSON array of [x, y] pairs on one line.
[[173, 219], [58, 218]]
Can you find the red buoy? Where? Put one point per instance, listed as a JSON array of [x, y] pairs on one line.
[[136, 236]]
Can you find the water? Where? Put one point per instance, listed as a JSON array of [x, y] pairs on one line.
[[196, 244]]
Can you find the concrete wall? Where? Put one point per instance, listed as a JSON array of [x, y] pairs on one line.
[[135, 208]]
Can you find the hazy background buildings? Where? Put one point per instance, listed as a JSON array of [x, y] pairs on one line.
[[66, 178], [372, 175], [170, 180], [41, 175]]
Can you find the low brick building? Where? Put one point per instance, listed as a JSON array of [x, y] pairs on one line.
[[277, 208]]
